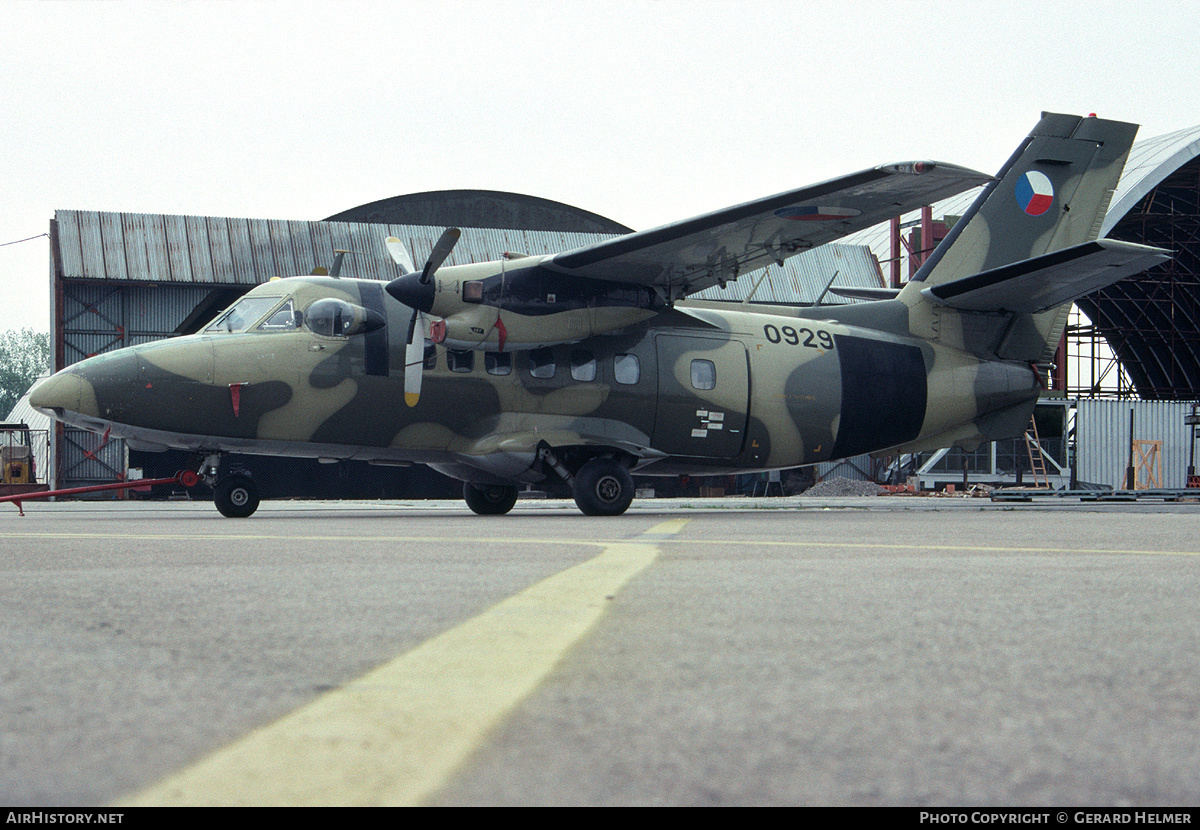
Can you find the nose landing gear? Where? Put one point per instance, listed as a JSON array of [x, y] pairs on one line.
[[235, 494]]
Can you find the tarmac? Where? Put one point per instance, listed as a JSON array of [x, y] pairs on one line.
[[893, 650]]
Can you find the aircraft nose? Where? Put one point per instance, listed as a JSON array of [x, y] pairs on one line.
[[87, 387], [64, 391]]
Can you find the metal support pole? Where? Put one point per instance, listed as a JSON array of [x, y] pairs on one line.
[[897, 265], [926, 234], [1130, 475], [1191, 419]]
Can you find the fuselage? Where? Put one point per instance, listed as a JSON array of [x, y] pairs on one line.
[[690, 390]]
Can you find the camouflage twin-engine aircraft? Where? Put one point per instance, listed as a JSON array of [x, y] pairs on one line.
[[574, 369]]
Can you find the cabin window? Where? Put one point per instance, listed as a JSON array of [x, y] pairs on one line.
[[626, 369], [460, 360], [497, 363], [704, 374], [541, 363], [583, 365], [472, 291]]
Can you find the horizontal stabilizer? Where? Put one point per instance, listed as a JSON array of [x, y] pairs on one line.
[[1048, 281]]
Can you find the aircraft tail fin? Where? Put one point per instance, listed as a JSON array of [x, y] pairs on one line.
[[1027, 246], [1052, 194]]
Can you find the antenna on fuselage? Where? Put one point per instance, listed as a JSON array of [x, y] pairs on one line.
[[828, 285], [322, 271]]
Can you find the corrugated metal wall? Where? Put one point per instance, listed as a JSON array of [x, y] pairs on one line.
[[231, 251], [104, 316], [1102, 439], [213, 250]]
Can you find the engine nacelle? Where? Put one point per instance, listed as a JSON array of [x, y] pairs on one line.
[[490, 329], [492, 307]]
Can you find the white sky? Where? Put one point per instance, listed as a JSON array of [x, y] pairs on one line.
[[645, 112]]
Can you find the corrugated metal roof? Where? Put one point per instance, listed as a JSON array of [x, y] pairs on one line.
[[1150, 162], [198, 250], [231, 251]]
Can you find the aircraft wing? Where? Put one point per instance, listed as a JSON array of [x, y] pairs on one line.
[[853, 293], [689, 256], [1044, 282]]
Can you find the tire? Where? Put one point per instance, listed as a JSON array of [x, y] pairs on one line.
[[236, 496], [490, 499], [603, 488]]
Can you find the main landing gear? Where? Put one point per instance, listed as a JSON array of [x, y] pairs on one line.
[[490, 499], [601, 487]]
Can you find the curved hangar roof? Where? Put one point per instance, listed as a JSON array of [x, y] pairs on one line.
[[480, 209], [1152, 321]]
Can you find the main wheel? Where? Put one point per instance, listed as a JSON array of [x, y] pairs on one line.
[[490, 499], [603, 488], [236, 496]]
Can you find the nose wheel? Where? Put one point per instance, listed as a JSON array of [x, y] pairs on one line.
[[236, 496]]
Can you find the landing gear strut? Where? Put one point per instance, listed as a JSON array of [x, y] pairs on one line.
[[235, 495]]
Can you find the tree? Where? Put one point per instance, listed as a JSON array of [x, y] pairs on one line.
[[24, 357]]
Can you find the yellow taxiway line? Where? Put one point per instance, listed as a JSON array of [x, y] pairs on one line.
[[395, 735]]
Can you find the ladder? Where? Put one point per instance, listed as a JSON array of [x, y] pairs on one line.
[[1037, 460]]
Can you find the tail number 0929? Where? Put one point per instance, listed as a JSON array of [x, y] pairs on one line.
[[798, 337]]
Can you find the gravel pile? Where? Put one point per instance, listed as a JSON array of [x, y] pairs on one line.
[[843, 487]]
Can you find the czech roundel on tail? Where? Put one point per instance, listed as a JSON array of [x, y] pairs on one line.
[[571, 371]]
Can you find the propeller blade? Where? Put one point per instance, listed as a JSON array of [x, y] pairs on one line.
[[414, 359], [441, 250], [400, 254]]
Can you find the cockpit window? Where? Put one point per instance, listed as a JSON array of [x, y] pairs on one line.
[[243, 314], [285, 318]]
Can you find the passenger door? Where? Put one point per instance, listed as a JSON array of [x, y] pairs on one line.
[[703, 396]]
